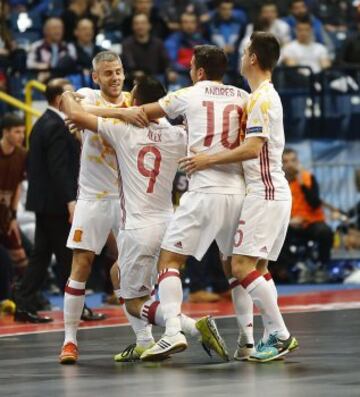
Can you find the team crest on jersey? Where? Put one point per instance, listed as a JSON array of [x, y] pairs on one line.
[[78, 236]]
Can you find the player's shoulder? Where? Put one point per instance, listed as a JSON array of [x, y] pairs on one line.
[[127, 98], [89, 94], [239, 93]]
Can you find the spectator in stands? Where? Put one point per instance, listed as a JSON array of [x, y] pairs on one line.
[[180, 46], [143, 53], [83, 50], [53, 166], [76, 10], [304, 51], [158, 25], [298, 11], [174, 9], [269, 18], [47, 53], [349, 54], [226, 28], [115, 12], [335, 14], [307, 215], [12, 173]]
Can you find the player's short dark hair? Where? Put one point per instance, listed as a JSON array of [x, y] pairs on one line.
[[305, 20], [289, 150], [268, 3], [148, 89], [266, 48], [11, 120], [212, 59], [54, 88]]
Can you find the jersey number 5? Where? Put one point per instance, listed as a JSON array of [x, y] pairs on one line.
[[151, 173], [210, 130]]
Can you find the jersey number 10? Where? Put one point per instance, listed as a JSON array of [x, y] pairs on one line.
[[151, 173], [210, 130]]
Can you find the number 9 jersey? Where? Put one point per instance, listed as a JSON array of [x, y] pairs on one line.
[[148, 161], [214, 117]]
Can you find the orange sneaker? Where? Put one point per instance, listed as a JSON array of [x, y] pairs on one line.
[[69, 354]]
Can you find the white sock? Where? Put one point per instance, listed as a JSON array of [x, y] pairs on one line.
[[263, 297], [171, 297], [152, 312], [270, 281], [141, 328], [74, 299], [244, 309]]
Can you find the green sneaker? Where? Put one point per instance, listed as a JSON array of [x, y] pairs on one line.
[[210, 337], [131, 353], [273, 349]]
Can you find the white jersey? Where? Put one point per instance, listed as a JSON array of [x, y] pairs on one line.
[[98, 178], [148, 161], [213, 113], [264, 176]]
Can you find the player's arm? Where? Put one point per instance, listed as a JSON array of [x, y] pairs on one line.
[[249, 150], [133, 115], [76, 113]]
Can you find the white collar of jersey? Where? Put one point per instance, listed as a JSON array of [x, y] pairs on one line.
[[267, 81], [60, 114]]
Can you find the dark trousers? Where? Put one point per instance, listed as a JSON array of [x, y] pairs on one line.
[[6, 274], [319, 232], [51, 233], [206, 273]]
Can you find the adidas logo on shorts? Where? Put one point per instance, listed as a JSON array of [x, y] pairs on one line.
[[179, 244], [264, 249]]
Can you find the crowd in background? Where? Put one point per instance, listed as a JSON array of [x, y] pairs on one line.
[[59, 37]]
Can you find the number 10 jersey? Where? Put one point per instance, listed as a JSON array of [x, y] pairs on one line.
[[148, 161], [214, 117]]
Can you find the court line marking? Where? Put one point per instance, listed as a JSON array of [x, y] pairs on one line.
[[293, 309]]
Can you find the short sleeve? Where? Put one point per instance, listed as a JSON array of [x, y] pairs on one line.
[[258, 117], [88, 94], [175, 103], [323, 53], [112, 130]]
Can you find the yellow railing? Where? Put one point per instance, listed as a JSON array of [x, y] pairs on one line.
[[18, 104], [30, 85]]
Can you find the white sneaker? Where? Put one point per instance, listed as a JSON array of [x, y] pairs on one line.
[[243, 352], [164, 347]]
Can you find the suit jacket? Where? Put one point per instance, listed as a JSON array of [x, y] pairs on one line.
[[53, 166]]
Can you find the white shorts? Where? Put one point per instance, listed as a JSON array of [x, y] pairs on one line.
[[262, 228], [200, 219], [138, 256], [93, 221]]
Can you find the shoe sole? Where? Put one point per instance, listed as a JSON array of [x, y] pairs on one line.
[[220, 342], [278, 357], [68, 360], [165, 354]]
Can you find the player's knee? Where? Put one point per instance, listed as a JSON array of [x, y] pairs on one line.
[[241, 266], [81, 265], [171, 260], [262, 266]]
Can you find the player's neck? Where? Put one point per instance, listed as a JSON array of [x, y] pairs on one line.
[[6, 147], [257, 79], [113, 100]]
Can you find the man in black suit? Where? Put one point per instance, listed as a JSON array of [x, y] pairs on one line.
[[52, 169]]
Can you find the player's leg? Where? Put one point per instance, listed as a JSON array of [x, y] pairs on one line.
[[263, 222], [191, 232], [87, 237]]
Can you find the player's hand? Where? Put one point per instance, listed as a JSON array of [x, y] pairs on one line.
[[135, 116], [195, 163], [14, 230]]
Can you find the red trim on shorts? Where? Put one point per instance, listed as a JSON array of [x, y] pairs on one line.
[[168, 273], [267, 276], [74, 291], [234, 284], [152, 312], [250, 278]]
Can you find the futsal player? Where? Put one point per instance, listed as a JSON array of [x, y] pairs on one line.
[[97, 211], [266, 211]]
